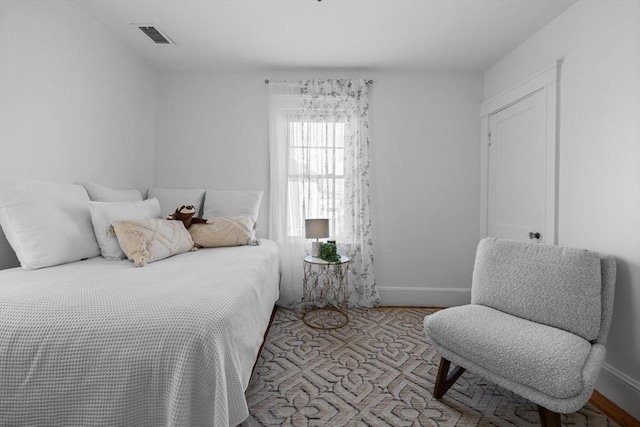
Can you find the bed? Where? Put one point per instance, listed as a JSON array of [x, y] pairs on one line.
[[100, 342]]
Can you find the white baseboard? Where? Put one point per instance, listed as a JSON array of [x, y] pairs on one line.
[[620, 388], [423, 297]]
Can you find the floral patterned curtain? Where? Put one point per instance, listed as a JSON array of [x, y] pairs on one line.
[[319, 151]]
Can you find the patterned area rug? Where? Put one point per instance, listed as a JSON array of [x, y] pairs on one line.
[[378, 370]]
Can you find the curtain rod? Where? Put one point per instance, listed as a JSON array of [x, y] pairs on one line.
[[369, 82]]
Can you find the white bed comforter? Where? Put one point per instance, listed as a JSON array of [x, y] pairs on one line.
[[101, 342]]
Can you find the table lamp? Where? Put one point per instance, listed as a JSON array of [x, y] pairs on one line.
[[316, 228]]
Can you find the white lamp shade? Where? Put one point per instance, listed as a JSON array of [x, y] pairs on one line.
[[317, 228]]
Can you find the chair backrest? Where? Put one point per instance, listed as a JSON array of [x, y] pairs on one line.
[[567, 288]]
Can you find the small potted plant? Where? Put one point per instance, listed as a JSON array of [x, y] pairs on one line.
[[328, 252]]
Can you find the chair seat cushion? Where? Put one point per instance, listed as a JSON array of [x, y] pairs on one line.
[[542, 357]]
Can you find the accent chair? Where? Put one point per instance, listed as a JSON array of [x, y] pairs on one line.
[[537, 324]]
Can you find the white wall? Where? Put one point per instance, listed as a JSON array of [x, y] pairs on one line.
[[599, 156], [213, 132], [75, 104], [425, 186]]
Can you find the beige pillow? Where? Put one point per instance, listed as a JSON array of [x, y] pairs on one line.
[[152, 239], [224, 231]]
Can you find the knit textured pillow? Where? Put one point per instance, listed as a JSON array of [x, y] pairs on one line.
[[224, 231], [151, 240], [552, 285]]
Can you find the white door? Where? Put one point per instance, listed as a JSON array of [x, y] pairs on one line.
[[518, 160], [517, 170]]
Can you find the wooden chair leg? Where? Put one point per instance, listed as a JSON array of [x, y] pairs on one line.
[[548, 418], [444, 381]]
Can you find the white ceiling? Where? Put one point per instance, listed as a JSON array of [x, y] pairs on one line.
[[434, 35]]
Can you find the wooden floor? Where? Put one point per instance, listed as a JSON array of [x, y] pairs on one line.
[[613, 411]]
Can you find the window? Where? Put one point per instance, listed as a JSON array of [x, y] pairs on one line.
[[316, 174], [319, 168]]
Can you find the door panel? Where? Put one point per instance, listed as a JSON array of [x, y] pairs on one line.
[[516, 169]]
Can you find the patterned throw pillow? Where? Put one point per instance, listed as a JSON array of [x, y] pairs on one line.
[[151, 240], [224, 231]]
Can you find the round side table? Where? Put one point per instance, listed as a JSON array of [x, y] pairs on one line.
[[325, 297]]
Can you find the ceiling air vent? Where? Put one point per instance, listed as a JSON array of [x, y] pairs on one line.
[[155, 34]]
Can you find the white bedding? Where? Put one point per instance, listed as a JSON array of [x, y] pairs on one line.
[[100, 342]]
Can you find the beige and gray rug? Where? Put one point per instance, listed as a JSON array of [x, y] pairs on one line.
[[379, 370]]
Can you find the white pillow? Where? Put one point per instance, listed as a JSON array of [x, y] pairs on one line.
[[219, 203], [100, 193], [151, 240], [171, 199], [104, 214], [46, 223]]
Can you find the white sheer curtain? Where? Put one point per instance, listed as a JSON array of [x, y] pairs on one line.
[[319, 168]]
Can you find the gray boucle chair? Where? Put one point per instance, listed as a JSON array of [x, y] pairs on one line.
[[537, 324]]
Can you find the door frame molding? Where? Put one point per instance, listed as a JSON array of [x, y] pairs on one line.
[[547, 80]]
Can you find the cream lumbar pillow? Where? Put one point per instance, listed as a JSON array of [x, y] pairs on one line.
[[224, 231], [152, 239]]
